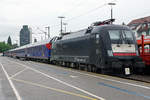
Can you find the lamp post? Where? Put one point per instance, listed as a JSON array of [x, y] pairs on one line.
[[111, 4], [61, 30]]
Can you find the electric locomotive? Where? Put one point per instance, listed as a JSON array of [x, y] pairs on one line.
[[103, 47]]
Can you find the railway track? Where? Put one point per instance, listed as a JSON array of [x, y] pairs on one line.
[[141, 78], [136, 77]]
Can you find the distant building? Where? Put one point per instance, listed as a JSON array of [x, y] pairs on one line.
[[25, 35], [140, 26]]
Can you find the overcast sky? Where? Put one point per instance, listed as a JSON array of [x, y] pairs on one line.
[[79, 14]]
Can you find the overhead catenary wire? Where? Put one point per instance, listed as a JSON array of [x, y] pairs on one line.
[[90, 11], [85, 13], [75, 7], [70, 10]]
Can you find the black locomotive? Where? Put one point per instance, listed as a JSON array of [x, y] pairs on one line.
[[101, 47]]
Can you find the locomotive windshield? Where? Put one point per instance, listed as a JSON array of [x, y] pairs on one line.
[[121, 36], [122, 41]]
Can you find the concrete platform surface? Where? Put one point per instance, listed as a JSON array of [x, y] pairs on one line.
[[27, 80]]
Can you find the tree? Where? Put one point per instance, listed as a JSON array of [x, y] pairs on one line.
[[9, 41], [123, 23], [14, 46], [4, 47], [35, 40]]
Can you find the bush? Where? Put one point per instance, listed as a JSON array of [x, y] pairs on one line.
[[4, 47]]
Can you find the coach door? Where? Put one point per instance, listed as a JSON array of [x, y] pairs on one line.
[[98, 50]]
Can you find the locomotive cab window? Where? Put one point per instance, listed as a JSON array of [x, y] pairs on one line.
[[127, 34], [114, 34], [121, 36]]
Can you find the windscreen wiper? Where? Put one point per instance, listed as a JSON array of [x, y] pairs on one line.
[[119, 41], [128, 41]]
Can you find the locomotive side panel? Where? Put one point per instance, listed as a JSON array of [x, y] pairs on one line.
[[100, 49], [72, 50]]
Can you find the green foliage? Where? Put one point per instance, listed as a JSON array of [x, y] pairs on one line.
[[4, 47], [14, 46]]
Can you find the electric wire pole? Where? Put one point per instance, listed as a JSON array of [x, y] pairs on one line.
[[48, 28], [111, 4], [61, 23]]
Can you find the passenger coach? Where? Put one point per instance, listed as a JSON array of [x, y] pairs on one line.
[[35, 51]]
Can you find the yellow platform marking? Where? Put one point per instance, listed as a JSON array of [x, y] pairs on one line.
[[54, 89]]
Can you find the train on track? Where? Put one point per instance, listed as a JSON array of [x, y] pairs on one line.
[[102, 47], [36, 51]]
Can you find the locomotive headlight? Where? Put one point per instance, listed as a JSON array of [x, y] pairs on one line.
[[110, 53]]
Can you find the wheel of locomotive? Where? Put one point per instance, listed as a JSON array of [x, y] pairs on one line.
[[53, 62], [68, 64], [86, 68], [65, 64], [89, 68], [94, 69], [56, 62], [80, 67], [103, 71], [140, 71], [59, 63], [76, 66], [72, 65]]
